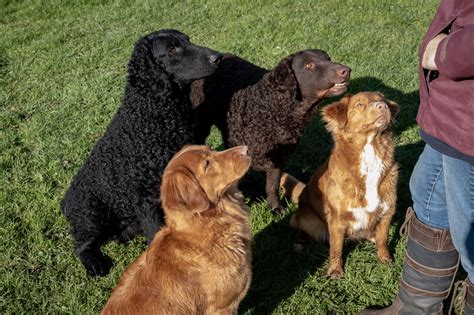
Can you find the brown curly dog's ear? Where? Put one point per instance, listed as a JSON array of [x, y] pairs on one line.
[[180, 190], [282, 77], [335, 114]]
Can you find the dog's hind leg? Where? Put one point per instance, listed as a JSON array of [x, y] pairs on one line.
[[87, 218], [271, 187]]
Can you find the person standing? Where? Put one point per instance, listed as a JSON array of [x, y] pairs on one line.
[[440, 226]]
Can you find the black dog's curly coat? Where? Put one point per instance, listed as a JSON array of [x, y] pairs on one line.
[[115, 194], [268, 110]]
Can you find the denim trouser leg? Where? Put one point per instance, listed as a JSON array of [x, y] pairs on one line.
[[442, 190]]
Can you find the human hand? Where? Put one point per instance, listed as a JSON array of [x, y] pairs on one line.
[[428, 60]]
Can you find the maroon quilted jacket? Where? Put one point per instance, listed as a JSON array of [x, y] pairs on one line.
[[447, 102]]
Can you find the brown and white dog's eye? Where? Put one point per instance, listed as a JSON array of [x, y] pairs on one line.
[[310, 65]]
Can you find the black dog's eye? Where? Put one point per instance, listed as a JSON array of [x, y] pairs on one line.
[[172, 49]]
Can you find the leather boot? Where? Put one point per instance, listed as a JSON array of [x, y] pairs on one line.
[[429, 268]]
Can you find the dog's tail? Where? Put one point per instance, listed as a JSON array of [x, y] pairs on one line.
[[307, 221], [291, 187]]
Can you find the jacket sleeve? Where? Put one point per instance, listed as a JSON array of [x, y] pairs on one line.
[[455, 54]]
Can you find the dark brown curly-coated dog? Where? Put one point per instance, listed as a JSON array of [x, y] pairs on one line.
[[211, 96], [269, 116], [114, 195]]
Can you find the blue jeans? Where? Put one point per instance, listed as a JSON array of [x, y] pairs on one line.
[[442, 190]]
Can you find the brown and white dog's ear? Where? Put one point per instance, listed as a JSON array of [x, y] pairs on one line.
[[282, 77], [181, 190], [394, 107], [335, 114]]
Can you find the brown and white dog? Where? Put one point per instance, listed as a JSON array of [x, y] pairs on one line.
[[353, 193], [200, 262]]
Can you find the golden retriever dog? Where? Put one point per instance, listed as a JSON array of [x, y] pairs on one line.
[[200, 262], [353, 194]]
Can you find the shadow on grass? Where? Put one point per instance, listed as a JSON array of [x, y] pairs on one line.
[[277, 270]]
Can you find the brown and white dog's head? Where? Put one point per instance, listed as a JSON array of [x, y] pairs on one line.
[[197, 177], [363, 112]]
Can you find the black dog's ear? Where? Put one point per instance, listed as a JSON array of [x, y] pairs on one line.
[[145, 70], [282, 77], [335, 114]]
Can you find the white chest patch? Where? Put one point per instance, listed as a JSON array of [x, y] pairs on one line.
[[371, 167], [361, 219]]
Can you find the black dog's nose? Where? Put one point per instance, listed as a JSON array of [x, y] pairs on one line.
[[215, 58]]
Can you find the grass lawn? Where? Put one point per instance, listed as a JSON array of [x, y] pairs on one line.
[[62, 73]]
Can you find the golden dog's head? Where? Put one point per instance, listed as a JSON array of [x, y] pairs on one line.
[[360, 113], [197, 177]]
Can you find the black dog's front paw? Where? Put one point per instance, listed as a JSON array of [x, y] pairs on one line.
[[96, 264], [100, 268]]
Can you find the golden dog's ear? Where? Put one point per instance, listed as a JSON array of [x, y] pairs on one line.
[[335, 114], [181, 190]]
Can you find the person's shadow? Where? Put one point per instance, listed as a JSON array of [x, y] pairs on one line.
[[277, 269]]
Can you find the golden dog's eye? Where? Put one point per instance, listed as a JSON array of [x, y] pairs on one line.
[[359, 105]]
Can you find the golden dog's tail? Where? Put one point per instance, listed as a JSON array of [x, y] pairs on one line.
[[291, 187]]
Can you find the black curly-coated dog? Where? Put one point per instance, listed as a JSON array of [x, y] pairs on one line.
[[115, 194], [268, 110]]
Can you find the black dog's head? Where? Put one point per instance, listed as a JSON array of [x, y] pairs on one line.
[[313, 73], [170, 51]]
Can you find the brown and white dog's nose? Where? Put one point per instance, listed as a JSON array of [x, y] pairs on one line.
[[379, 105]]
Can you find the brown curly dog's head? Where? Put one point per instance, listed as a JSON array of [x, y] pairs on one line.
[[310, 75]]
